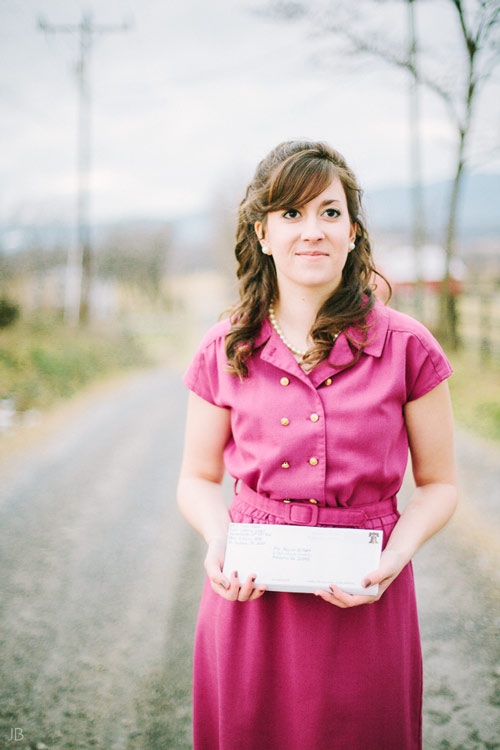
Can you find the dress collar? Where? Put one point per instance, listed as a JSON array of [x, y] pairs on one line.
[[378, 322], [264, 334], [275, 351]]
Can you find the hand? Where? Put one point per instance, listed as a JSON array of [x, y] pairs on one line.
[[391, 565], [228, 588]]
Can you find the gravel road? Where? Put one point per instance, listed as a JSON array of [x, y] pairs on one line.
[[93, 561], [100, 579]]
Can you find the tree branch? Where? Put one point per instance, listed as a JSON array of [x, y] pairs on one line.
[[461, 18], [380, 51]]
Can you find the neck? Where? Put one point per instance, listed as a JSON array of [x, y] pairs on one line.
[[296, 315]]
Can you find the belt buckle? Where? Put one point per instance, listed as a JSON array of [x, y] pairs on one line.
[[301, 507]]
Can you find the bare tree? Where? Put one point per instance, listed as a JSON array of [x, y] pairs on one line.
[[478, 30], [481, 44]]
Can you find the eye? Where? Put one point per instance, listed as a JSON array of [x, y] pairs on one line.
[[292, 213], [332, 213]]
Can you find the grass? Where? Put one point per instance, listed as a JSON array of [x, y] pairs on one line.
[[475, 392], [43, 361]]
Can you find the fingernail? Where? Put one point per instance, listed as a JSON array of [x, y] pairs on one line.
[[235, 573], [252, 578], [367, 583]]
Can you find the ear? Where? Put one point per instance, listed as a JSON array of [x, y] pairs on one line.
[[354, 232], [259, 229]]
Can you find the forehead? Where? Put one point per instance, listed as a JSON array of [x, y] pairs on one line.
[[333, 191]]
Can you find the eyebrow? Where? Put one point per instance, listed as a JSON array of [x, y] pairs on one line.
[[321, 205], [326, 203]]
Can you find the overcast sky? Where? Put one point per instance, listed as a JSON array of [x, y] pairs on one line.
[[187, 101]]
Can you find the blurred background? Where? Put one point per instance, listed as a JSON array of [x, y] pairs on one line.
[[129, 132]]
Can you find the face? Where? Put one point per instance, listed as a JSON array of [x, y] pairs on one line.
[[310, 244]]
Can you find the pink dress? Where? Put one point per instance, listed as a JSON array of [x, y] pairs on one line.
[[290, 671]]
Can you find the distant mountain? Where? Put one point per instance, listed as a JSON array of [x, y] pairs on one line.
[[389, 209], [191, 236]]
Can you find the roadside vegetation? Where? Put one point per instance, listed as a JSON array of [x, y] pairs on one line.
[[475, 383], [43, 361], [474, 388]]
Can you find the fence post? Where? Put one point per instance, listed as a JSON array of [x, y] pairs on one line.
[[485, 322]]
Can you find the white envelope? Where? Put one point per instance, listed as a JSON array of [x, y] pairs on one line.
[[303, 559]]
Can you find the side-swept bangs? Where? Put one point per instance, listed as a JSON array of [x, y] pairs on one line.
[[298, 180]]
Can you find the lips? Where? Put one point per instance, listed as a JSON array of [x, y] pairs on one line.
[[313, 254]]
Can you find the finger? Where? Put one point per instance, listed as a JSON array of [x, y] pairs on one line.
[[220, 583], [382, 573], [247, 588], [391, 564], [221, 588], [217, 577], [228, 589], [234, 587], [350, 600], [257, 593], [370, 579], [329, 597], [383, 580]]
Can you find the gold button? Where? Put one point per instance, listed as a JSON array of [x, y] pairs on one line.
[[314, 417], [285, 465], [328, 381], [313, 461], [284, 381], [312, 500], [285, 421], [287, 500]]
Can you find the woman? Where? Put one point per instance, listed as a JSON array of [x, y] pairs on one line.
[[310, 395]]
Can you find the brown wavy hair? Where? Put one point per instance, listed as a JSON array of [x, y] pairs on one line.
[[291, 175]]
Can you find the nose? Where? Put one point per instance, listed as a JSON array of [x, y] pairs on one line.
[[311, 229]]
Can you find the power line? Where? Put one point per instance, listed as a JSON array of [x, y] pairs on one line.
[[79, 263]]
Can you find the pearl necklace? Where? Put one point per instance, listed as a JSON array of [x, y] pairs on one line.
[[275, 325]]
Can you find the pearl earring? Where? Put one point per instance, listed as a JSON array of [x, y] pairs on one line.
[[265, 250], [352, 245]]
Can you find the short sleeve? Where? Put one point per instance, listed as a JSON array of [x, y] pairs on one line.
[[426, 364], [201, 377], [207, 375]]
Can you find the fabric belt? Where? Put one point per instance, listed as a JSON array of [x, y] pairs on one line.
[[309, 514]]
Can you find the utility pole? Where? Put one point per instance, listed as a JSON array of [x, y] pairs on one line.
[[79, 261], [418, 233]]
